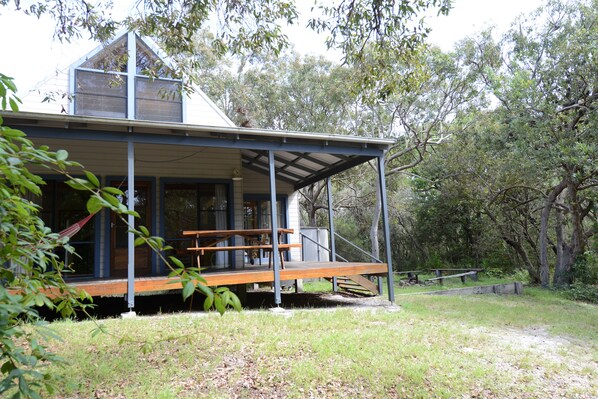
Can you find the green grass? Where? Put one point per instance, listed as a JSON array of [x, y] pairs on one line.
[[434, 346]]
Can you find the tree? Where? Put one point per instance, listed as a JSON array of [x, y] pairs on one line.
[[394, 28], [525, 166], [546, 81], [440, 86]]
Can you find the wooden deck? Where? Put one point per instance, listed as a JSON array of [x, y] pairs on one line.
[[251, 274]]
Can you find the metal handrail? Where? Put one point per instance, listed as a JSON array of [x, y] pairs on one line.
[[323, 247], [357, 248]]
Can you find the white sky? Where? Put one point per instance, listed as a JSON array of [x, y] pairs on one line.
[[29, 54]]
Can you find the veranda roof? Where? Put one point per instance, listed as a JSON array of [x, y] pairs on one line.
[[301, 158]]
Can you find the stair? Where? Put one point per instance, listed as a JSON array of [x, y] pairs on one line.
[[356, 284]]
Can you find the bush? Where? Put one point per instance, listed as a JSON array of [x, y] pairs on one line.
[[521, 275], [494, 272], [582, 292], [586, 268]]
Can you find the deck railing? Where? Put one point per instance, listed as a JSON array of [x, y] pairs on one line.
[[320, 246], [339, 257], [361, 250]]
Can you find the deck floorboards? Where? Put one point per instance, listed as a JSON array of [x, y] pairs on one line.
[[251, 274]]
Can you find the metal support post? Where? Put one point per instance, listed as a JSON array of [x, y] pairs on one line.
[[332, 232], [274, 225], [131, 221], [384, 204]]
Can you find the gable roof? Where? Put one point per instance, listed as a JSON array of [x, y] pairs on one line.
[[198, 107]]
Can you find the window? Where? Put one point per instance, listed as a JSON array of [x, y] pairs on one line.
[[100, 94], [61, 207], [257, 214], [102, 83], [158, 99], [195, 206]]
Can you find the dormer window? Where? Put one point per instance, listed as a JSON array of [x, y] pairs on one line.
[[109, 84]]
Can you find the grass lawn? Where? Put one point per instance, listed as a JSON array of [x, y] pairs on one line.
[[532, 346]]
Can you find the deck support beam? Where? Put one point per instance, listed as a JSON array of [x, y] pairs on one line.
[[274, 226], [131, 222], [331, 227], [384, 206]]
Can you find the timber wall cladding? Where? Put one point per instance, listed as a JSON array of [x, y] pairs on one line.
[[57, 84], [168, 161]]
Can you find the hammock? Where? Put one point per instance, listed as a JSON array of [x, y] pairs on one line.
[[74, 228]]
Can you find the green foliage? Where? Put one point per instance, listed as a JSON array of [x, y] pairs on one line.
[[520, 275], [585, 270], [582, 292], [368, 33], [31, 274], [483, 195]]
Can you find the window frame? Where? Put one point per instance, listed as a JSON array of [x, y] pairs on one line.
[[96, 242], [130, 76], [230, 214]]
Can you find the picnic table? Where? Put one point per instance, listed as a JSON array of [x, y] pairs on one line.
[[255, 239]]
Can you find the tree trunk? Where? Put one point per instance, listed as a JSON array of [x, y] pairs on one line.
[[560, 245], [517, 246], [548, 203], [568, 252]]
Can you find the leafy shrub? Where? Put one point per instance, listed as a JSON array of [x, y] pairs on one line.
[[582, 292], [494, 272], [585, 270], [434, 262], [521, 275]]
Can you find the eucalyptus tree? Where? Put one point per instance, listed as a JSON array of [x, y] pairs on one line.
[[290, 92], [435, 87], [394, 28], [545, 79]]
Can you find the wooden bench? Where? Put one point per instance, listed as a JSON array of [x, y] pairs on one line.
[[462, 276]]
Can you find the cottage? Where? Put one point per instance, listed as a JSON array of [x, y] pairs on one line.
[[189, 169]]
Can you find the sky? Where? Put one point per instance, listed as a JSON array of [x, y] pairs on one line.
[[29, 54]]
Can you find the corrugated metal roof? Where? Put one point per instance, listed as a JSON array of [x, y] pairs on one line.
[[301, 158]]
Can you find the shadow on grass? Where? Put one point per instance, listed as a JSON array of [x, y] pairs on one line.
[[173, 303]]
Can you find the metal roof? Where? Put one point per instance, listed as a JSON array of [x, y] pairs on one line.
[[301, 158]]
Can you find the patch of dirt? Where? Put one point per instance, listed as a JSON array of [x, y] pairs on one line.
[[562, 368]]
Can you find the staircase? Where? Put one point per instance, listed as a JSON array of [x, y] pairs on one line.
[[356, 284]]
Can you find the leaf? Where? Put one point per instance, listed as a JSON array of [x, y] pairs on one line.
[[176, 261], [144, 230], [208, 302], [111, 199], [207, 291], [13, 105], [92, 179], [235, 302], [219, 305], [12, 133], [113, 190], [139, 241], [79, 184], [188, 289], [62, 155], [94, 205]]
